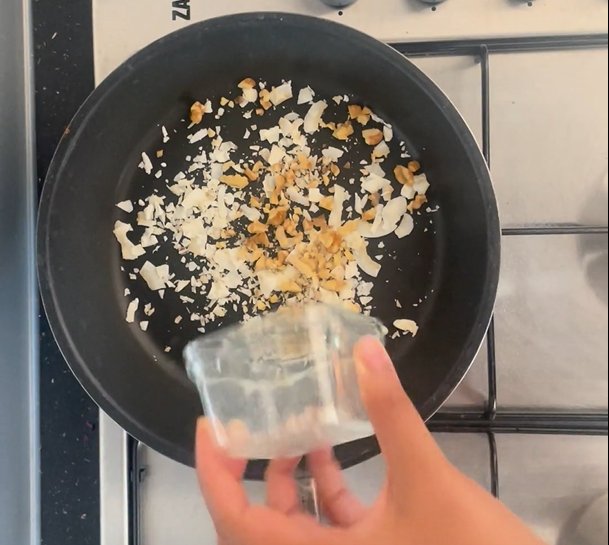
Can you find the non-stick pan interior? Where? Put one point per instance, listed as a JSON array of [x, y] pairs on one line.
[[443, 274]]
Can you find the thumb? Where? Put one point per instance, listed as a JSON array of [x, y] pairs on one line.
[[406, 444]]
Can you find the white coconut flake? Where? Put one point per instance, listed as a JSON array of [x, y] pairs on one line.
[[375, 184], [313, 118], [306, 95], [276, 155], [367, 264], [251, 213], [387, 133], [146, 164], [144, 325], [296, 196], [340, 195], [165, 134], [333, 154], [197, 136], [393, 212], [270, 135], [125, 206], [181, 284], [408, 192], [281, 94], [421, 185], [131, 310], [315, 194], [381, 150], [409, 326], [406, 226], [360, 202], [129, 251], [250, 95], [153, 275], [370, 230]]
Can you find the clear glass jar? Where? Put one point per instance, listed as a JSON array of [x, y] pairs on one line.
[[285, 383]]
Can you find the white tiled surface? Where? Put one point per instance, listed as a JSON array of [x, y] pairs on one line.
[[551, 322], [554, 106], [460, 79], [548, 480]]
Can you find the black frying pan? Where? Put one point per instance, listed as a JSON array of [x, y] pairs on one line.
[[452, 263]]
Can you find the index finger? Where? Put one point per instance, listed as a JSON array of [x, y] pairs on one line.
[[219, 478], [338, 503]]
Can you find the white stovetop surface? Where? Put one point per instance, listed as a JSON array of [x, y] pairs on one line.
[[549, 164], [409, 20]]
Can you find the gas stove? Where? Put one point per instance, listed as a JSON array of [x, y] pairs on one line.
[[529, 422]]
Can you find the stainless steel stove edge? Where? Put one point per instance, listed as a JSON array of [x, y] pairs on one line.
[[19, 430]]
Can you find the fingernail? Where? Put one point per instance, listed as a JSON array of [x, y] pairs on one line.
[[371, 356]]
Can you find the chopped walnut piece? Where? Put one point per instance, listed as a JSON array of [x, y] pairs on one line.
[[348, 228], [362, 115], [416, 203], [333, 285], [265, 99], [343, 131], [372, 137], [256, 227], [197, 110], [403, 175], [236, 180], [414, 166], [247, 83], [276, 216], [327, 203], [369, 214], [290, 286], [302, 267], [354, 111], [260, 264], [251, 175], [261, 239]]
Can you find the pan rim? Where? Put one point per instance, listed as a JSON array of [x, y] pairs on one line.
[[56, 310]]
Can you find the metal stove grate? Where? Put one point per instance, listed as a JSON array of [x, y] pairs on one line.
[[491, 420]]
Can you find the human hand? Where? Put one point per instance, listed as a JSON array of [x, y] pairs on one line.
[[425, 500]]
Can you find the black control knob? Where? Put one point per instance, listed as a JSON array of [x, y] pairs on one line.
[[338, 3]]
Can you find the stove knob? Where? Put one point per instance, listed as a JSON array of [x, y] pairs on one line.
[[338, 3]]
